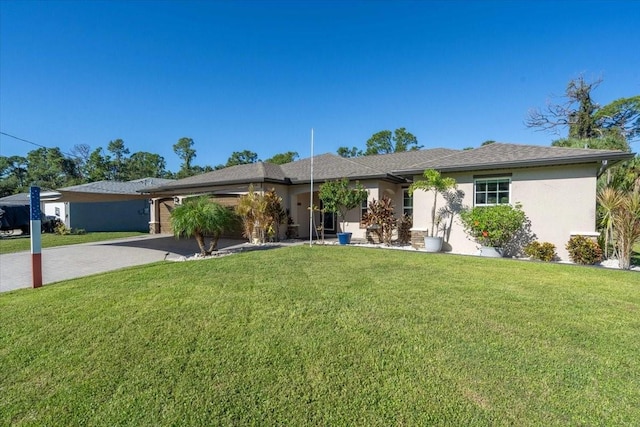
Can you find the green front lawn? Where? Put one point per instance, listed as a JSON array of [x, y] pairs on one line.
[[326, 336], [23, 243]]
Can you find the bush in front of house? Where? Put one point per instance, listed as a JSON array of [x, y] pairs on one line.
[[583, 250], [544, 251], [380, 216], [404, 229], [493, 226]]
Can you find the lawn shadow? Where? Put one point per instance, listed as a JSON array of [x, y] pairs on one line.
[[169, 244]]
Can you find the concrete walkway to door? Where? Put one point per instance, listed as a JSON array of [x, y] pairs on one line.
[[68, 262]]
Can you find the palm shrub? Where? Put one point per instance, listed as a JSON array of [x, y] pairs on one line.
[[381, 213], [198, 217], [493, 226], [437, 184]]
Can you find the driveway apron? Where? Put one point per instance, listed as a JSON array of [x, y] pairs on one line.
[[68, 262]]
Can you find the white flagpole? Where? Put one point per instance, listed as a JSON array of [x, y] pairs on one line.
[[311, 196]]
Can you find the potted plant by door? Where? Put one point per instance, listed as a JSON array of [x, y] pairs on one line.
[[338, 198], [437, 184]]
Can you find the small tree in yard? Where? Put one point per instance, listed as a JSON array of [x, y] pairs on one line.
[[199, 217], [337, 197]]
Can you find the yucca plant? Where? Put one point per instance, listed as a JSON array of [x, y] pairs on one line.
[[198, 217], [609, 200], [251, 209], [274, 213], [626, 223]]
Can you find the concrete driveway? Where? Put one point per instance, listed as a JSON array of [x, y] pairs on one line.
[[68, 262]]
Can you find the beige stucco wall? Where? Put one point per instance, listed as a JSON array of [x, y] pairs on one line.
[[299, 199], [559, 201]]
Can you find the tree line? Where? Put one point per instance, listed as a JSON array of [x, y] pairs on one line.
[[50, 168]]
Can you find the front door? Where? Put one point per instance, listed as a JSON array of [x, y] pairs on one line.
[[328, 220]]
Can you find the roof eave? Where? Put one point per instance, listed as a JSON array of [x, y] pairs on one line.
[[611, 159], [385, 177], [174, 188]]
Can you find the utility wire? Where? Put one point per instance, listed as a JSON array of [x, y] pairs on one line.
[[34, 143]]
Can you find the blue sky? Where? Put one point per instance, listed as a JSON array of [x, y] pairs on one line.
[[259, 75]]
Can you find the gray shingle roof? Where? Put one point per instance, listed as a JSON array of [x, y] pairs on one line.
[[501, 155], [330, 166], [405, 160], [117, 187], [392, 166], [249, 173], [25, 198]]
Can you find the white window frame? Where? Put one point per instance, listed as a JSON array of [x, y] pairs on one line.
[[487, 180], [364, 207], [405, 208]]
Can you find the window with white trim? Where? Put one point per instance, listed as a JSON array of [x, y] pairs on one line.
[[407, 202], [364, 207], [492, 191]]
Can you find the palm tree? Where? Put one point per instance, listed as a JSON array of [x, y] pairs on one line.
[[199, 217], [438, 185]]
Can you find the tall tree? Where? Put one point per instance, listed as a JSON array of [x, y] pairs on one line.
[[242, 158], [349, 152], [584, 118], [98, 166], [80, 154], [379, 143], [621, 117], [13, 175], [404, 141], [49, 168], [591, 126], [282, 158], [605, 143], [185, 151], [119, 161], [143, 164], [384, 142]]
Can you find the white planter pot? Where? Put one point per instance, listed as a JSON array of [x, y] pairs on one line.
[[491, 252], [432, 244]]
